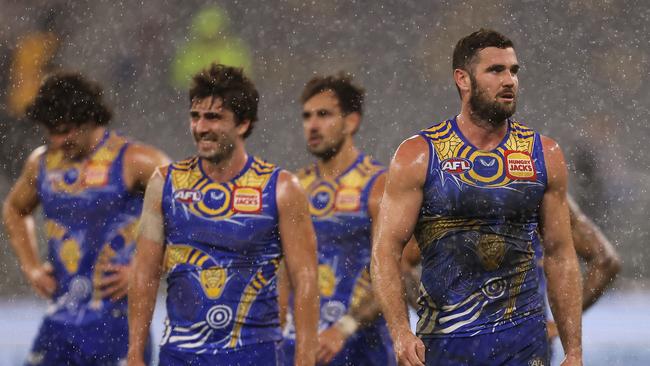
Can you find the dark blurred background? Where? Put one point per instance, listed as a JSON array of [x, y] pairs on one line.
[[584, 81]]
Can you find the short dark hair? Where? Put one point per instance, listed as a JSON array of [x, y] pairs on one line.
[[468, 47], [232, 86], [350, 96], [69, 99]]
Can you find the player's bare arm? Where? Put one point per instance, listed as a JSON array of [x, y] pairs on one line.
[[602, 263], [601, 260], [396, 221], [148, 260], [140, 163], [560, 261], [299, 247], [17, 212]]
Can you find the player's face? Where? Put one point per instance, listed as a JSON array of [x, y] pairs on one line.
[[73, 141], [494, 84], [214, 128], [323, 124]]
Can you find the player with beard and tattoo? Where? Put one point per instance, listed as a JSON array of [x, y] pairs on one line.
[[480, 191], [219, 224], [344, 187]]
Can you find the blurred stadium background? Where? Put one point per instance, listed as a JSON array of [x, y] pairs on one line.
[[584, 81]]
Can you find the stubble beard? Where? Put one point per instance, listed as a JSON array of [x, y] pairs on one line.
[[326, 153], [490, 111], [223, 152]]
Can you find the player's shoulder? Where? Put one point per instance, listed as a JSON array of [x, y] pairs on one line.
[[520, 128], [262, 166], [371, 165], [438, 129], [33, 161], [183, 165], [139, 151], [549, 145], [411, 149], [306, 171]]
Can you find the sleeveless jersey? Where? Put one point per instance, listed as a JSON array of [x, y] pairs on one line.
[[339, 210], [477, 231], [222, 255], [90, 218]]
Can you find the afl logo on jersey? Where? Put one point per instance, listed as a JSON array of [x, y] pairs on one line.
[[455, 165], [519, 165], [188, 196]]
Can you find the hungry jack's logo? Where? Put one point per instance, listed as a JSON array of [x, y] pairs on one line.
[[519, 165], [247, 200]]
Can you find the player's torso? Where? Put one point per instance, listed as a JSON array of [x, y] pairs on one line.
[[90, 219], [339, 209], [223, 251], [477, 231]]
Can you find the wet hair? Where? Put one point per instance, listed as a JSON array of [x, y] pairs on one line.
[[468, 47], [350, 96], [233, 87], [69, 99]]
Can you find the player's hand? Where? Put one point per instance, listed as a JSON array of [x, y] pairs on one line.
[[551, 329], [571, 360], [133, 360], [409, 349], [42, 280], [330, 343], [115, 282]]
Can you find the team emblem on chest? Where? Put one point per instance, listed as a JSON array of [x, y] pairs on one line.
[[327, 198]]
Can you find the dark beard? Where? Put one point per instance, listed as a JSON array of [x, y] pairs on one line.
[[329, 151], [222, 154], [493, 112]]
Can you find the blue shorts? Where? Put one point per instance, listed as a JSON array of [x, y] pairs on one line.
[[103, 343], [258, 355], [523, 345], [369, 346]]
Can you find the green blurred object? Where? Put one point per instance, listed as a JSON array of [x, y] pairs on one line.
[[210, 41]]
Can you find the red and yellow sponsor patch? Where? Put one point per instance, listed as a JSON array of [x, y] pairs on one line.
[[247, 200], [519, 165], [96, 175], [348, 199]]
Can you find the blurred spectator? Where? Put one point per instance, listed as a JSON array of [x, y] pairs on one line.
[[209, 41], [30, 62], [30, 59]]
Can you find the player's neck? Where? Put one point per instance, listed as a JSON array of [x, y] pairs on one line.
[[333, 167], [225, 170], [482, 134], [95, 137]]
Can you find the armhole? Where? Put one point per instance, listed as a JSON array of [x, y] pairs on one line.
[[165, 171], [273, 181], [539, 149], [427, 176], [40, 174], [122, 167], [367, 190]]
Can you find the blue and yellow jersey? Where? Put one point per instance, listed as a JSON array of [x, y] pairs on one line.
[[339, 210], [477, 231], [222, 256], [90, 218]]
